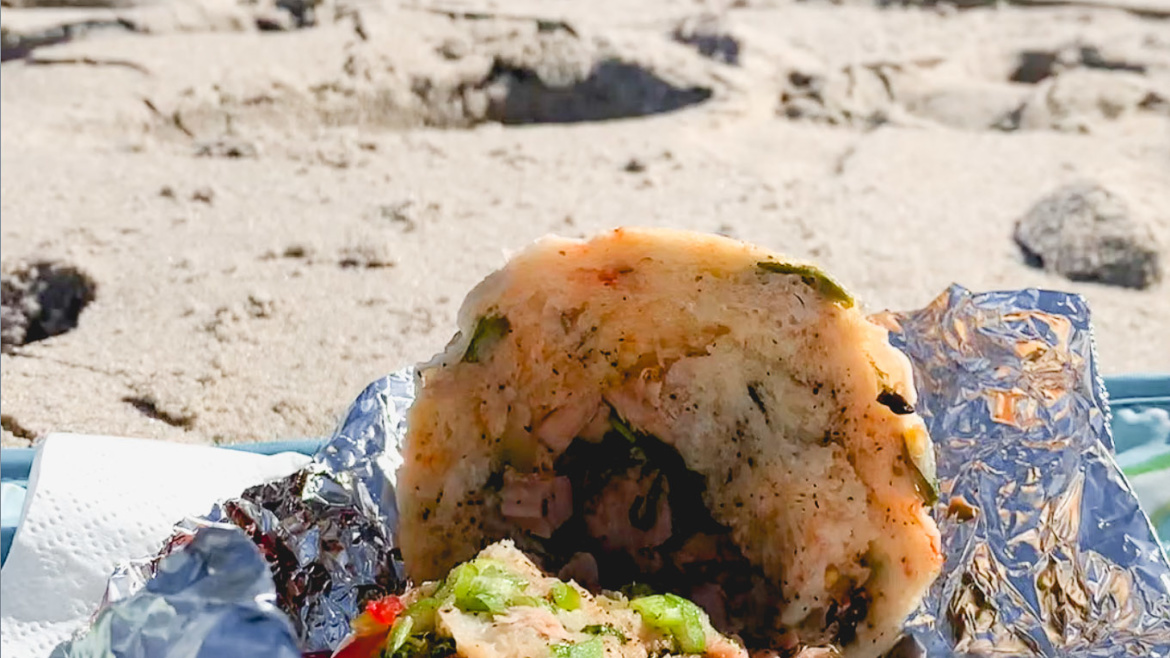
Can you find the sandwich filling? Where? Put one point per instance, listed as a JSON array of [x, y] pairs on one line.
[[499, 605], [624, 512]]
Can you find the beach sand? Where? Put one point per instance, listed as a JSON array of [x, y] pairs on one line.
[[272, 219]]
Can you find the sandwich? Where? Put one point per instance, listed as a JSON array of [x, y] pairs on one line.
[[688, 412]]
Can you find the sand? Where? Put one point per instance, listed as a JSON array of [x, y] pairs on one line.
[[272, 219]]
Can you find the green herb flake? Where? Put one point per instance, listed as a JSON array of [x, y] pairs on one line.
[[422, 613], [399, 633], [928, 489], [424, 646], [677, 616], [488, 331], [924, 471], [565, 596], [443, 647], [532, 602], [592, 648], [606, 629], [622, 427], [813, 278], [876, 565], [637, 590]]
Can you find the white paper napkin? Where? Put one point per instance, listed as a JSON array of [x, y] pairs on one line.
[[94, 502]]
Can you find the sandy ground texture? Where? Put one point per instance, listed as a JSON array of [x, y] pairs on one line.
[[222, 220]]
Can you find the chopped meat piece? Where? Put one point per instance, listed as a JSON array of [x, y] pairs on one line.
[[537, 503], [632, 513], [710, 597], [582, 568], [702, 547]]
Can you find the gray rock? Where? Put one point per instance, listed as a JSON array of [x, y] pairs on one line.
[[708, 34], [1086, 233], [558, 77]]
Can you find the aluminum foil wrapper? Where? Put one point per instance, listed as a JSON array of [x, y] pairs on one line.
[[212, 597], [327, 530], [325, 533], [1047, 551]]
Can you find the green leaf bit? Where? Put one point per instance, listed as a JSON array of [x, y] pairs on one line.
[[565, 596], [606, 629], [489, 330], [676, 616], [813, 278], [592, 648], [926, 486]]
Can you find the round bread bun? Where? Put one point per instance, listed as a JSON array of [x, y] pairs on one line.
[[688, 412]]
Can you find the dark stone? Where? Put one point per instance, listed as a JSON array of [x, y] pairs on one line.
[[1086, 233], [1033, 66], [614, 89], [42, 300]]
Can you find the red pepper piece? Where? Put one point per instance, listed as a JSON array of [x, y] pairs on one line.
[[385, 610]]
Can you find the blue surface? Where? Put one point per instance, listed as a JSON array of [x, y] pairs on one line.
[[16, 464]]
